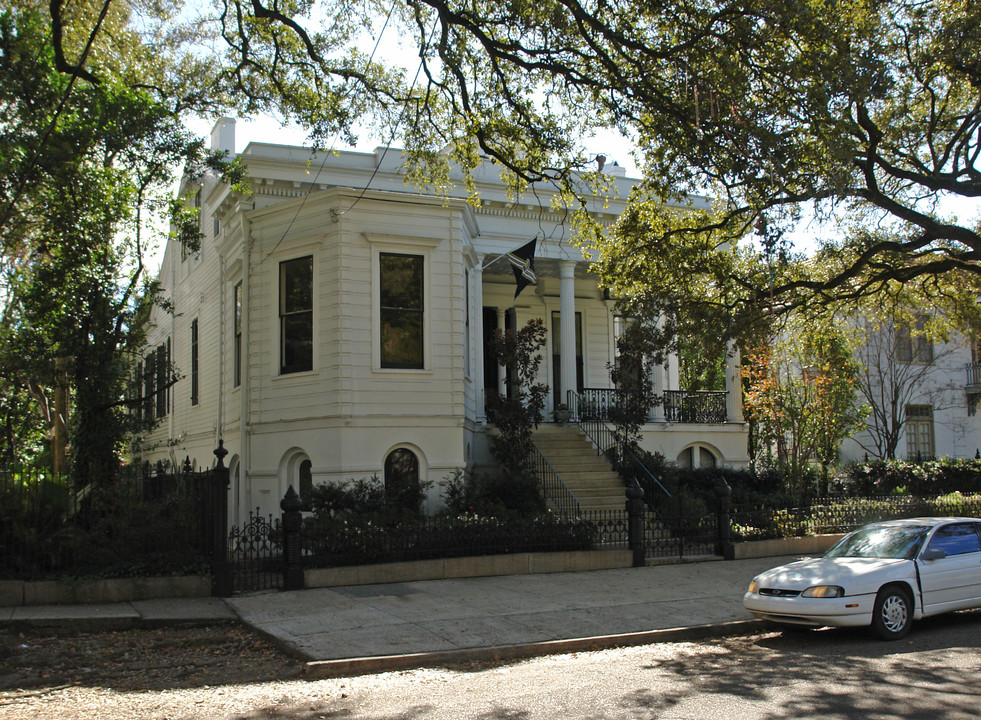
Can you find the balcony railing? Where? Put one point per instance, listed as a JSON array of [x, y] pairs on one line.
[[680, 406], [701, 406], [973, 374]]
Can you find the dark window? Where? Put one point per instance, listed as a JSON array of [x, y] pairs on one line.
[[402, 488], [305, 477], [912, 344], [149, 383], [194, 361], [296, 315], [162, 386], [237, 368], [139, 390], [401, 284], [956, 539]]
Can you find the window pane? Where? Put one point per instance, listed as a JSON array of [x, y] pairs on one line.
[[296, 314], [956, 539], [297, 285], [401, 295], [297, 343], [401, 281], [401, 339]]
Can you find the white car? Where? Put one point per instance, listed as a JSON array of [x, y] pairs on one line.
[[886, 575]]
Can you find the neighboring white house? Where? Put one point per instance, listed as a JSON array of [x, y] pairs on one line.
[[332, 326], [932, 388]]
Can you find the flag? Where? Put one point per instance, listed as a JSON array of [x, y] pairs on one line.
[[523, 265]]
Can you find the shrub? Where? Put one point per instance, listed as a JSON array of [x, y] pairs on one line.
[[493, 495]]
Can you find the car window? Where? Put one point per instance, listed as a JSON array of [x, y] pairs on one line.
[[877, 541], [956, 539]]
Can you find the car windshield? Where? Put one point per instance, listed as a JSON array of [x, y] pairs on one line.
[[880, 542]]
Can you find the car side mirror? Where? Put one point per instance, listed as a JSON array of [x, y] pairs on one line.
[[933, 554]]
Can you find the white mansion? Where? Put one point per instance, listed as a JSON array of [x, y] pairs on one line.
[[335, 320]]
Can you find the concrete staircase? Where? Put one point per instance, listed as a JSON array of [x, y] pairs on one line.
[[588, 475]]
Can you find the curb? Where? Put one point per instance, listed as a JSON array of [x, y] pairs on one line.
[[345, 667]]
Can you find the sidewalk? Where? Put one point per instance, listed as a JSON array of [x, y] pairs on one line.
[[372, 628]]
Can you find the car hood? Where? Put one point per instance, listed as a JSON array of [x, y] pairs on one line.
[[847, 572]]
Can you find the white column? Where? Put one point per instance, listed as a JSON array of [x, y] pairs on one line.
[[657, 385], [672, 372], [734, 384], [567, 328], [477, 366]]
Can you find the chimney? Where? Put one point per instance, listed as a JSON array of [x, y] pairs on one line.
[[600, 162], [223, 135]]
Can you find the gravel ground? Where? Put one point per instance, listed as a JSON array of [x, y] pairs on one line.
[[142, 673]]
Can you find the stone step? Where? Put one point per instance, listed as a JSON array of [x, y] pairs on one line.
[[587, 474]]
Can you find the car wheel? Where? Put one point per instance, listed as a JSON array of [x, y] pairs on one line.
[[893, 613]]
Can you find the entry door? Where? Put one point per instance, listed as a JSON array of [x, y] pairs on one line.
[[954, 581], [491, 369], [557, 357]]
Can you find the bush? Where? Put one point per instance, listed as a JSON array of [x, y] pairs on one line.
[[330, 541], [938, 477], [366, 497], [494, 495]]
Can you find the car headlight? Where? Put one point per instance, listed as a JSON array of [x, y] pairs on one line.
[[754, 586], [824, 591]]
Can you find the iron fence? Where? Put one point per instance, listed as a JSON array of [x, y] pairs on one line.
[[681, 536], [330, 542], [139, 524], [822, 516], [255, 554]]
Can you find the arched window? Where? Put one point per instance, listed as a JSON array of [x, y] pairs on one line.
[[402, 488], [305, 478], [697, 456]]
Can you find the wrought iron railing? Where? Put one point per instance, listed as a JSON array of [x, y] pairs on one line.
[[605, 439], [355, 541], [695, 406], [682, 406], [593, 404], [973, 374], [555, 491]]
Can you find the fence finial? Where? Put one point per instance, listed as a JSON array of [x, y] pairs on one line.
[[220, 453]]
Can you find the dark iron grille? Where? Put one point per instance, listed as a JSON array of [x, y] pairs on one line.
[[703, 406], [255, 554]]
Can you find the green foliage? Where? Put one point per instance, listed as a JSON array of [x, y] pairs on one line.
[[937, 477], [48, 531], [494, 495], [631, 375], [86, 165], [846, 514], [801, 395], [365, 498], [517, 413]]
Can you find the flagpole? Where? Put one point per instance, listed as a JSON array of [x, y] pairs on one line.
[[502, 255]]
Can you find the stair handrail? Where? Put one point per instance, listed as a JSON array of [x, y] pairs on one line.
[[598, 431], [552, 484]]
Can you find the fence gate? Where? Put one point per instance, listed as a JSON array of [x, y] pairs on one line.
[[680, 537], [255, 554]]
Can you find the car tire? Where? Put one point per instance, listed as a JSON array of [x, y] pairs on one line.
[[892, 615]]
